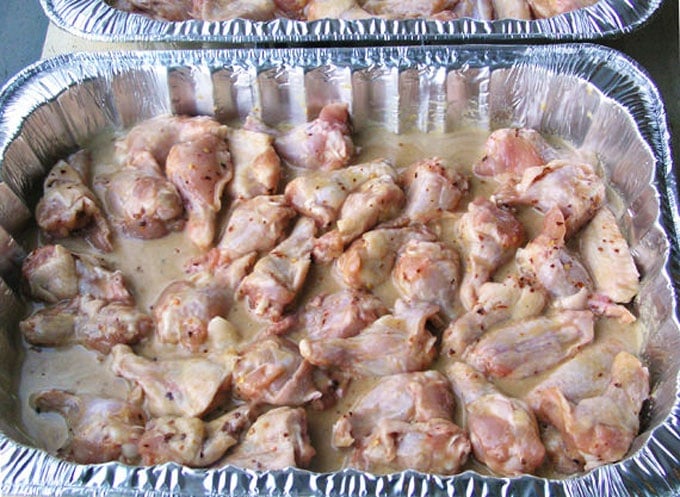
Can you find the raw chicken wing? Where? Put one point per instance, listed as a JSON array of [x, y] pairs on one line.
[[272, 371], [573, 187], [525, 348], [394, 343], [257, 168], [404, 422], [375, 201], [93, 323], [369, 260], [607, 256], [429, 272], [601, 428], [222, 10], [489, 236], [169, 10], [68, 207], [53, 274], [546, 261], [503, 430], [153, 138], [200, 169], [191, 441], [140, 200], [431, 188], [394, 9], [544, 9], [320, 195], [511, 299], [278, 277], [173, 387], [340, 315], [324, 143], [101, 429], [278, 439], [184, 310], [508, 152], [335, 9]]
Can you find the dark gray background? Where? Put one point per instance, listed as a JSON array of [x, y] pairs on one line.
[[654, 46]]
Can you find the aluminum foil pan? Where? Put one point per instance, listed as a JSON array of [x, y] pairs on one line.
[[95, 20], [589, 95]]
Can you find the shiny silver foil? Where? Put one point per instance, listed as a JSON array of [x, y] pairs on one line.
[[95, 20], [589, 95]]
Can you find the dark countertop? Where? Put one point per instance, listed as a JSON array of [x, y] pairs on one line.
[[655, 47]]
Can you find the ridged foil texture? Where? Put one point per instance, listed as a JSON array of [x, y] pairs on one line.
[[589, 95], [95, 20]]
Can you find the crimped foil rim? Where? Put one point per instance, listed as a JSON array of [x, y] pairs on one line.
[[95, 20], [652, 470]]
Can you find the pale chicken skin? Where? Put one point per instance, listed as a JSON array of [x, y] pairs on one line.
[[340, 315], [335, 9], [409, 9], [69, 208], [489, 236], [169, 10], [404, 422], [100, 429], [369, 260], [190, 440], [508, 152], [53, 273], [573, 187], [278, 277], [503, 430], [324, 143], [200, 169], [141, 201], [606, 254], [523, 349], [94, 323], [543, 9], [277, 439], [321, 196], [272, 371], [601, 428], [375, 201], [184, 310], [429, 272], [257, 167], [188, 386], [394, 343], [219, 10], [546, 261], [511, 299], [431, 188], [255, 226]]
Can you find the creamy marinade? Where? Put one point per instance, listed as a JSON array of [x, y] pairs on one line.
[[149, 265]]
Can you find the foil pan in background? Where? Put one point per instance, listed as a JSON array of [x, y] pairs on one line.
[[95, 20], [587, 94]]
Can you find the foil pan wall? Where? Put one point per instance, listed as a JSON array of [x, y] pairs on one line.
[[95, 20], [587, 94]]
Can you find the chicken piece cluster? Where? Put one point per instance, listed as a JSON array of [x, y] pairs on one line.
[[398, 287], [312, 10]]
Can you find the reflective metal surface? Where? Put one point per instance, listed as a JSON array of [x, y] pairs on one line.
[[95, 20]]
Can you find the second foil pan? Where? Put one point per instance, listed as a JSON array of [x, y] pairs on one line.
[[97, 21]]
